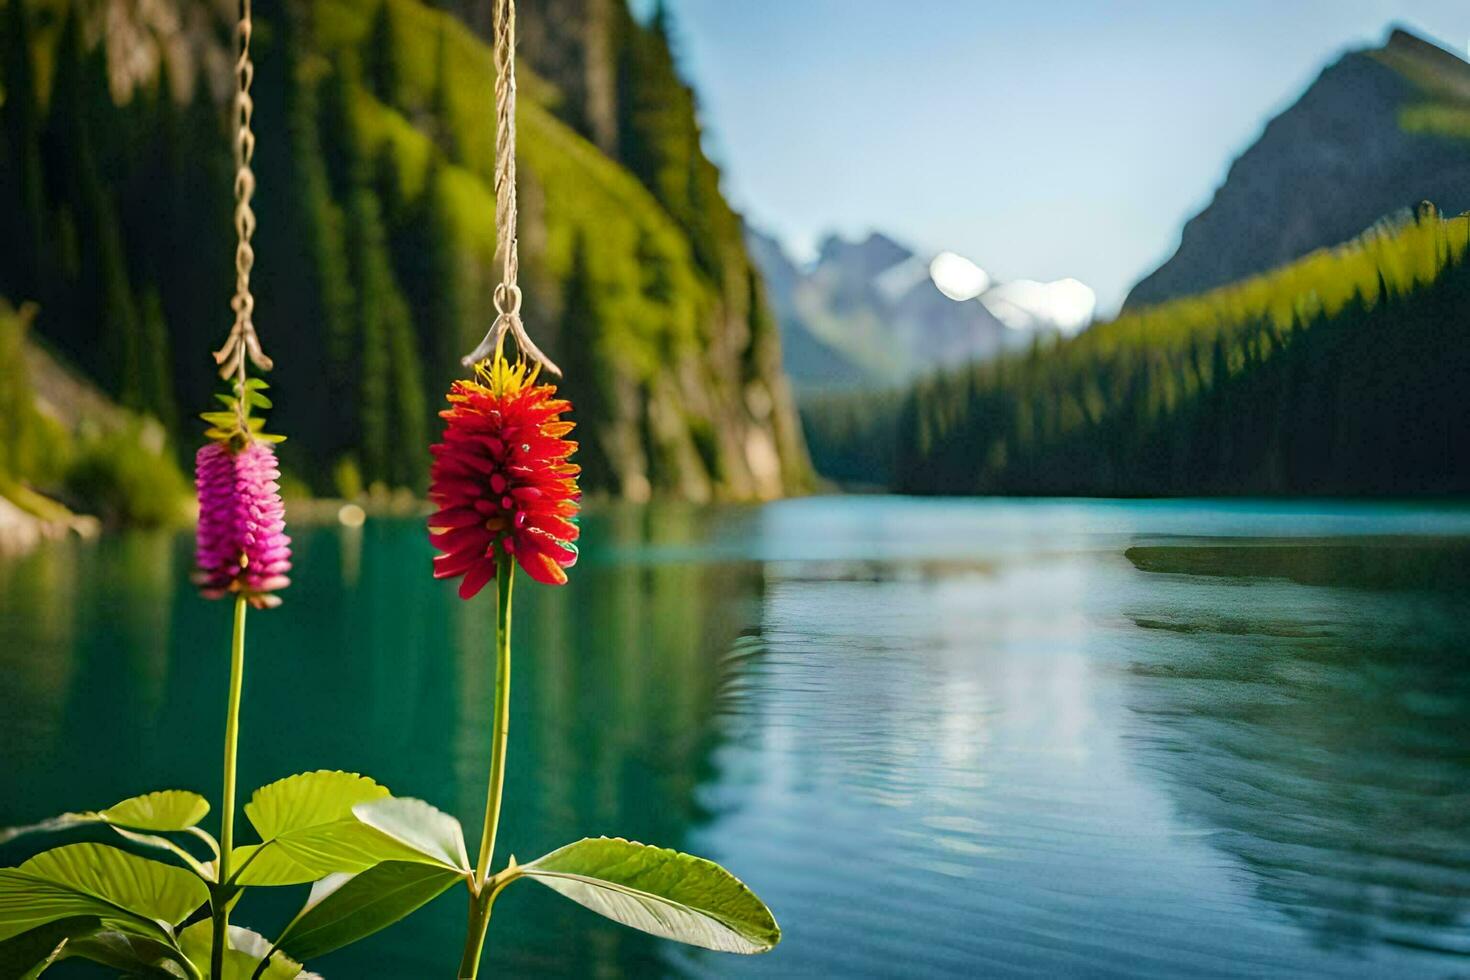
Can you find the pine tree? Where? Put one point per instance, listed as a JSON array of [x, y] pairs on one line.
[[20, 157], [380, 60], [156, 375], [365, 253], [441, 107], [589, 376], [88, 303], [428, 260], [323, 141]]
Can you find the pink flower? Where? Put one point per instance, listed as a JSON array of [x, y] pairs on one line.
[[241, 544]]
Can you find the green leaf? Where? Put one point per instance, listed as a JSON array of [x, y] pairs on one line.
[[269, 437], [308, 799], [431, 832], [62, 822], [258, 400], [308, 830], [28, 903], [30, 952], [167, 809], [229, 400], [164, 810], [220, 418], [148, 888], [246, 951], [663, 892], [164, 844], [256, 384], [295, 858], [342, 909], [133, 954]]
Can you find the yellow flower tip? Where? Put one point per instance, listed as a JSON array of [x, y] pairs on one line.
[[502, 377]]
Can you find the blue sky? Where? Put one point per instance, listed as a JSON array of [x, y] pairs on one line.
[[1040, 139]]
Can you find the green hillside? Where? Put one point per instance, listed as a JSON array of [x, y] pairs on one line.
[[64, 446], [375, 249], [1343, 372]]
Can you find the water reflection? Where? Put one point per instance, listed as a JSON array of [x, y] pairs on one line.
[[1320, 732], [616, 676], [939, 737], [85, 645]]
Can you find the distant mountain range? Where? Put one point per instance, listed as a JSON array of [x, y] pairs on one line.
[[868, 312], [1379, 130], [1284, 349]]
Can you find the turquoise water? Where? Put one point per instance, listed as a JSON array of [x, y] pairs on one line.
[[940, 738]]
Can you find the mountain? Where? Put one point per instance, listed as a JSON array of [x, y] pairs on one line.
[[1379, 130], [808, 359], [1343, 372], [374, 251], [867, 312]]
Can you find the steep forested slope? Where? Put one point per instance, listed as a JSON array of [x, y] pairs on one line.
[[375, 245]]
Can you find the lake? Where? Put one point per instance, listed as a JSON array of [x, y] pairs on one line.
[[938, 737]]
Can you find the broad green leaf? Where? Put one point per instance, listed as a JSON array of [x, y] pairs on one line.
[[246, 951], [256, 384], [132, 954], [29, 902], [431, 832], [258, 400], [148, 888], [305, 855], [30, 952], [205, 871], [663, 892], [308, 799], [308, 830], [342, 910], [167, 809]]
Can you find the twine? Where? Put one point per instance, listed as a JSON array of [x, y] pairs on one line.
[[242, 341], [507, 293]]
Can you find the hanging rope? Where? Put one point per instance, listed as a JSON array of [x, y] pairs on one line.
[[508, 293], [242, 341]]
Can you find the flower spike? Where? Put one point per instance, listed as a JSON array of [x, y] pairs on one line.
[[501, 478]]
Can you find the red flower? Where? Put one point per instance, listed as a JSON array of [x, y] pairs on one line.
[[501, 479]]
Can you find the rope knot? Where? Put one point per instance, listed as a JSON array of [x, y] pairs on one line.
[[508, 299]]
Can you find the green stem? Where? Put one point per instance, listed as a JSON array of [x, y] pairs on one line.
[[482, 899], [220, 897], [474, 940]]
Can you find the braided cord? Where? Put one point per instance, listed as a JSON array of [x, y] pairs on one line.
[[508, 292], [242, 341]]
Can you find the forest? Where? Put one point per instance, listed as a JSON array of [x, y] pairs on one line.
[[375, 248], [1344, 372]]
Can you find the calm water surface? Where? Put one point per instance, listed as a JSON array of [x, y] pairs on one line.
[[940, 738]]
